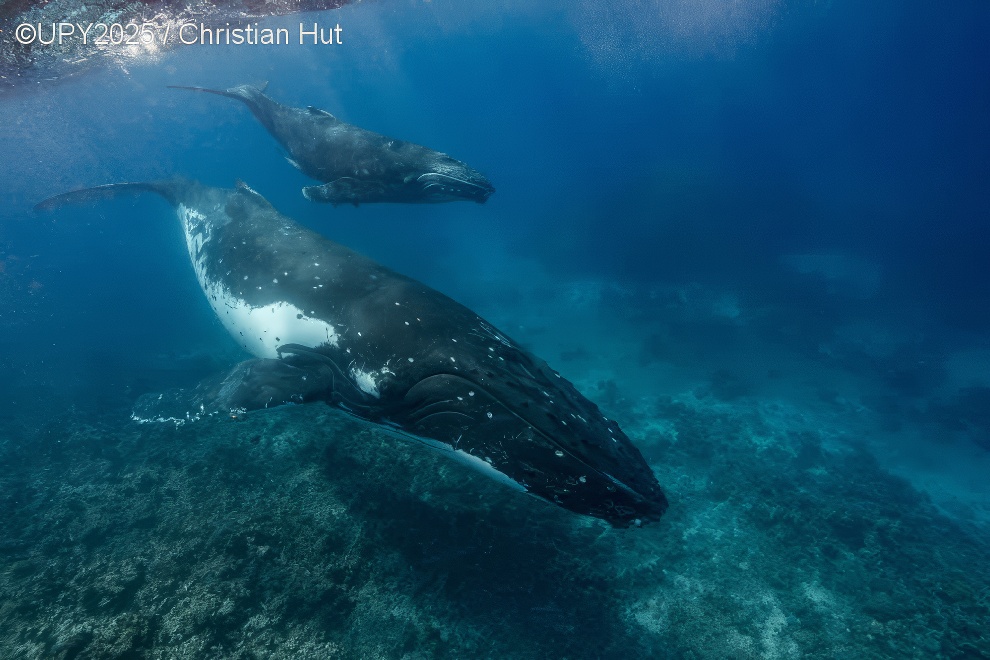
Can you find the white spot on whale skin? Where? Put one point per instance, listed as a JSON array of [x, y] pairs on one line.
[[367, 381]]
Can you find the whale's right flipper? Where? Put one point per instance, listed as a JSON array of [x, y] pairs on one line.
[[250, 385]]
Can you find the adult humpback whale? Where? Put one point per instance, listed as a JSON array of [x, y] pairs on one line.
[[358, 166], [327, 324]]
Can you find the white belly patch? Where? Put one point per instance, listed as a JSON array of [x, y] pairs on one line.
[[259, 329]]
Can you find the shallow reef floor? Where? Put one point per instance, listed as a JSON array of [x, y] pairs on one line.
[[300, 533]]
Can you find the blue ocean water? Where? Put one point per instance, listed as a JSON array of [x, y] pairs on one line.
[[755, 235]]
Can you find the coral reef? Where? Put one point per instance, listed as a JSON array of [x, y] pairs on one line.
[[299, 533]]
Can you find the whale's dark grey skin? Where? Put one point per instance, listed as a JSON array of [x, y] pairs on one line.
[[327, 324], [359, 166]]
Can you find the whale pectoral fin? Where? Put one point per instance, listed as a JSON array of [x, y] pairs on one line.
[[346, 190], [250, 385]]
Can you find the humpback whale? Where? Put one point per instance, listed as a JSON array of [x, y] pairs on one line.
[[358, 166], [325, 323]]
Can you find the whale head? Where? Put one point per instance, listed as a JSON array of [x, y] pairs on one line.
[[512, 416], [447, 179]]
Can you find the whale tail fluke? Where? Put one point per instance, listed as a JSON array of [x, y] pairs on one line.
[[251, 95], [247, 93], [164, 188]]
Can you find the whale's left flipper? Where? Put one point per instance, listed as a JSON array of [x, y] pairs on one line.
[[250, 385]]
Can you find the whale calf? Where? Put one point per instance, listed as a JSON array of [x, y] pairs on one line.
[[358, 166], [325, 323]]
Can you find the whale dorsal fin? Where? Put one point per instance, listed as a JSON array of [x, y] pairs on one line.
[[319, 113], [246, 188], [253, 195]]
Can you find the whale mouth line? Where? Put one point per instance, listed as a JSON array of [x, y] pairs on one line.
[[446, 181], [433, 411], [432, 175]]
